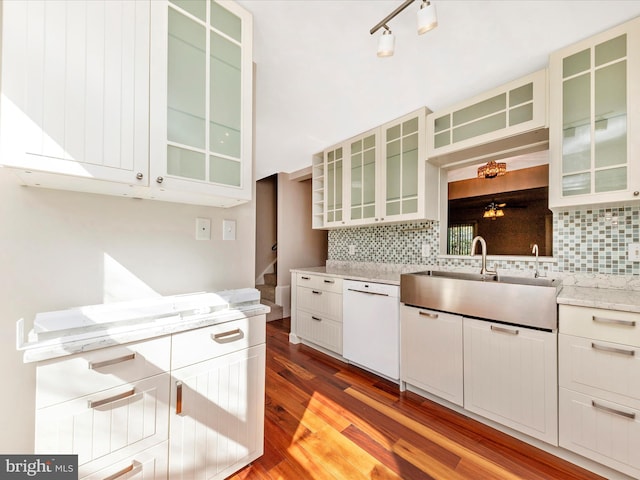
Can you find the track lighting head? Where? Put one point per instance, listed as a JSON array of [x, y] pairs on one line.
[[386, 43], [427, 19]]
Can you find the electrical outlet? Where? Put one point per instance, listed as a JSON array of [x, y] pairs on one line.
[[203, 229], [426, 250], [352, 249], [634, 252]]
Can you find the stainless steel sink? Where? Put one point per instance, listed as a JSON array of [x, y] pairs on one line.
[[517, 300]]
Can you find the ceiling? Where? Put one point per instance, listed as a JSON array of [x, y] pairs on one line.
[[319, 81]]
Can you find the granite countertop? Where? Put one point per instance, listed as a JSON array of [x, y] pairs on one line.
[[388, 276], [606, 298], [81, 329]]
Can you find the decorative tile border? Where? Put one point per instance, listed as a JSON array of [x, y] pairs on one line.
[[590, 241]]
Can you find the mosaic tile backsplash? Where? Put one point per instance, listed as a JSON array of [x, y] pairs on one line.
[[589, 241]]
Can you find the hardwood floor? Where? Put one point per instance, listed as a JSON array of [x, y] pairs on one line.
[[327, 420]]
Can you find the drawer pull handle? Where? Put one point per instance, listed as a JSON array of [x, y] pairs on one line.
[[113, 361], [317, 319], [368, 293], [230, 333], [427, 314], [316, 292], [626, 323], [504, 330], [135, 466], [630, 415], [329, 281], [305, 278], [621, 351], [178, 398], [104, 401]]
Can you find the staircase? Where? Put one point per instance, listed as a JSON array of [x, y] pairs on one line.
[[268, 296]]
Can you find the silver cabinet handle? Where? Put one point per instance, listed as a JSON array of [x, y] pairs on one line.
[[626, 323], [139, 175], [427, 314], [369, 293], [104, 401], [630, 415], [159, 179], [230, 333], [621, 351], [112, 361], [316, 292], [178, 398], [504, 330], [135, 466], [317, 319], [329, 281]]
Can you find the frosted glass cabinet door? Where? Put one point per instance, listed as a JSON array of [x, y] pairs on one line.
[[334, 161], [594, 98], [363, 179], [404, 161], [202, 84]]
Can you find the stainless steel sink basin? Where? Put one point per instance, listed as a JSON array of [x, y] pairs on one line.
[[517, 300]]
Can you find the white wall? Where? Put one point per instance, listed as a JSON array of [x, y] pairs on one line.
[[64, 249]]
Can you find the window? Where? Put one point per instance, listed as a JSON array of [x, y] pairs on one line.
[[459, 238]]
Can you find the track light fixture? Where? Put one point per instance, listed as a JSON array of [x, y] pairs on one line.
[[386, 43], [426, 18]]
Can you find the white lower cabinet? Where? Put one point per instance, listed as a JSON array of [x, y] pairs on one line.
[[217, 415], [187, 405], [431, 352], [510, 376], [316, 310], [599, 376], [150, 464]]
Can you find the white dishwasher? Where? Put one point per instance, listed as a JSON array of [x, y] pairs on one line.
[[371, 327]]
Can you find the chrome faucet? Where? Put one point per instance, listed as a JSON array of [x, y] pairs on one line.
[[483, 244], [534, 250]]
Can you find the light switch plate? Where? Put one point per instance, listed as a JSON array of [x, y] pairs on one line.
[[203, 229], [634, 252], [228, 230], [352, 249], [426, 250]]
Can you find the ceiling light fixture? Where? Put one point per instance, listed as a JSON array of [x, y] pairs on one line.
[[492, 169], [386, 43], [493, 211], [427, 20]]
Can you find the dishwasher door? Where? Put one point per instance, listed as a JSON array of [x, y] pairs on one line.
[[371, 327]]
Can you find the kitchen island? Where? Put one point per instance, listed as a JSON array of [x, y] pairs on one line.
[[157, 387]]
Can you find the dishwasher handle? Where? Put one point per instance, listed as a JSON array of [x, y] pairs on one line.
[[368, 293]]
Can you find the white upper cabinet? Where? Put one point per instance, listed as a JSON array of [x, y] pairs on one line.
[[75, 89], [201, 102], [136, 98], [380, 176], [595, 107], [498, 115]]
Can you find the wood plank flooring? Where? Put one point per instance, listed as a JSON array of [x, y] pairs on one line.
[[327, 420]]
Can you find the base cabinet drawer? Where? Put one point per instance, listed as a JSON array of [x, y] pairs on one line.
[[108, 426], [603, 431], [320, 330], [327, 304], [605, 369], [149, 464], [319, 282], [607, 325]]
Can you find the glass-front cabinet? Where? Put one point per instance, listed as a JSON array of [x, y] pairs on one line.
[[202, 108], [363, 179], [594, 97], [334, 169], [380, 176]]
